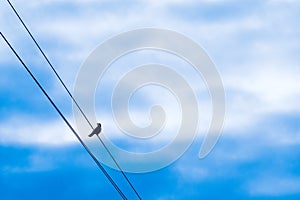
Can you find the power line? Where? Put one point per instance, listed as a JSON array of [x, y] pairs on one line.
[[66, 121], [96, 132], [48, 61], [77, 105], [110, 154]]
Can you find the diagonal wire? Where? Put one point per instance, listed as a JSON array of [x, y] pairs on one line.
[[66, 121], [77, 105], [110, 154], [48, 61]]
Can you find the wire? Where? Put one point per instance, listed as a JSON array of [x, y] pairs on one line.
[[48, 61], [66, 121], [110, 154], [77, 105]]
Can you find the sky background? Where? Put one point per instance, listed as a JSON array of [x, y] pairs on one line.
[[254, 44]]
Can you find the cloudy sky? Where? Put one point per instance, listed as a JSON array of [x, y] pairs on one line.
[[254, 46]]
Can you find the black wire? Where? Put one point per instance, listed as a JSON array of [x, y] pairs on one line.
[[119, 167], [48, 61], [77, 105], [66, 121]]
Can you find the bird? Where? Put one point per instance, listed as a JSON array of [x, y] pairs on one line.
[[96, 131]]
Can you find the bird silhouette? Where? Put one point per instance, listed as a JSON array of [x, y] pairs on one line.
[[96, 131]]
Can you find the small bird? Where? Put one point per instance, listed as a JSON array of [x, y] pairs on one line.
[[96, 131]]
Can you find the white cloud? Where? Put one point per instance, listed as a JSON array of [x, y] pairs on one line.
[[25, 130], [258, 78], [260, 93]]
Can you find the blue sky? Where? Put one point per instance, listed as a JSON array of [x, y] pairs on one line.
[[255, 46]]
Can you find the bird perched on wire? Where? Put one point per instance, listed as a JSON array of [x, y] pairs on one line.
[[96, 131]]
